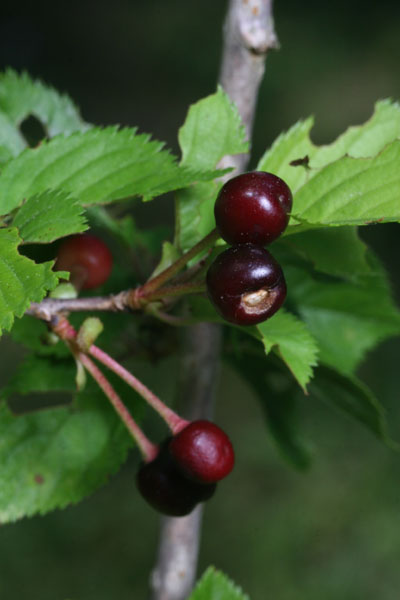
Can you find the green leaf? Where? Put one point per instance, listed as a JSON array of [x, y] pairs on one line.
[[363, 141], [292, 342], [11, 140], [354, 398], [32, 333], [56, 457], [277, 395], [353, 191], [338, 251], [41, 375], [21, 280], [214, 585], [291, 145], [49, 216], [20, 96], [212, 129], [169, 254], [347, 319], [127, 232], [195, 213], [97, 166]]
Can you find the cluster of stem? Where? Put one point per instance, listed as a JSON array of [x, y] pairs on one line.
[[65, 331]]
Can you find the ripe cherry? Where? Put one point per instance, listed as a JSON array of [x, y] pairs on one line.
[[87, 258], [246, 284], [253, 208], [203, 452], [167, 489]]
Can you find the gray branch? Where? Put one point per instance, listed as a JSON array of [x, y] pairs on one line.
[[49, 307], [175, 571], [248, 34]]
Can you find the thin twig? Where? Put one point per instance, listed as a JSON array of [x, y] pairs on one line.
[[136, 298], [49, 307], [167, 274], [174, 291]]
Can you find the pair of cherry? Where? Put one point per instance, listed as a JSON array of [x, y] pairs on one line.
[[245, 283], [186, 469]]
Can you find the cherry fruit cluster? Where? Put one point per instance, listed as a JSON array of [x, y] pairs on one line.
[[186, 469], [245, 283]]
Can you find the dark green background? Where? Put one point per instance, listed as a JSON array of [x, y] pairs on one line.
[[334, 532]]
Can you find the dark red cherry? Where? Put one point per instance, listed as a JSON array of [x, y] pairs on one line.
[[203, 451], [87, 258], [246, 284], [167, 489], [253, 208]]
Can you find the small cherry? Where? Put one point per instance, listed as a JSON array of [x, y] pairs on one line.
[[253, 208], [167, 489], [246, 284], [203, 452], [87, 258]]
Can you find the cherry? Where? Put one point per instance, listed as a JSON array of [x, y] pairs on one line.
[[87, 258], [203, 452], [246, 284], [253, 208], [166, 488]]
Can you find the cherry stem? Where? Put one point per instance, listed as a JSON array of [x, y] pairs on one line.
[[172, 419], [192, 273], [148, 450], [63, 328], [180, 289], [167, 274]]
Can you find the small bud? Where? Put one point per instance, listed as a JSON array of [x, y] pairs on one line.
[[89, 331], [65, 291], [80, 377], [49, 339]]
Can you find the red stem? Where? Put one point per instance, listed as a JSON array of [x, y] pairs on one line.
[[65, 330], [172, 419], [146, 447]]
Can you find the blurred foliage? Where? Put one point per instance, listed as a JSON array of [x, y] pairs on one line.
[[332, 532]]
